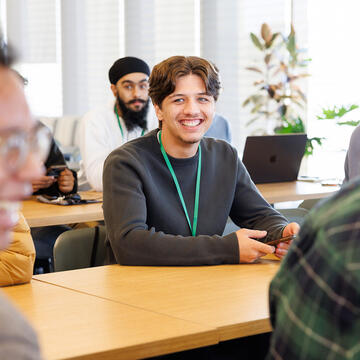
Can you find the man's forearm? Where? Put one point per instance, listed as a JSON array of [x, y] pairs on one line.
[[147, 248]]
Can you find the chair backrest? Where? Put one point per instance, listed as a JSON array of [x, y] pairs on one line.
[[64, 129], [80, 248], [309, 204], [295, 214], [66, 132]]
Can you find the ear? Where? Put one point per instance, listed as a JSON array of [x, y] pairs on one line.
[[158, 112], [113, 89]]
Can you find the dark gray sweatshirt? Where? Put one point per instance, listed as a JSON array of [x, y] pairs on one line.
[[144, 218]]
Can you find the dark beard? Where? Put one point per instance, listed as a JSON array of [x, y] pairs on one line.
[[132, 118]]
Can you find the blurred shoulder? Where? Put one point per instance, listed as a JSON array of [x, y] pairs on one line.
[[219, 148], [139, 148]]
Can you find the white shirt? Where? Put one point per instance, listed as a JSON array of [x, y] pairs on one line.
[[100, 134]]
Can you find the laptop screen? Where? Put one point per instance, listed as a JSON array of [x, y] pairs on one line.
[[274, 158]]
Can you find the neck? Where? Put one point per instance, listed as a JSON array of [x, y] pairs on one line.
[[177, 148]]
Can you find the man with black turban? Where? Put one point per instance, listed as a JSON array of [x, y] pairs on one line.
[[124, 119]]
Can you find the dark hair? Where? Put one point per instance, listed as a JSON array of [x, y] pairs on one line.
[[163, 77], [7, 55]]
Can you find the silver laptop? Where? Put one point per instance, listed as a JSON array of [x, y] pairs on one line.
[[274, 158]]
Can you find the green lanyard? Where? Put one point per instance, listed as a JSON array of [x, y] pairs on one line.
[[197, 189], [121, 129]]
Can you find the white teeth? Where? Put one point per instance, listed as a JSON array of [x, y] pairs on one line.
[[191, 123]]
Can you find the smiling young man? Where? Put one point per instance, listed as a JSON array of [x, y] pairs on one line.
[[167, 195]]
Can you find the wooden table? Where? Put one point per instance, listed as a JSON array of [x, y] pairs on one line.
[[232, 298], [295, 190], [41, 214], [73, 325]]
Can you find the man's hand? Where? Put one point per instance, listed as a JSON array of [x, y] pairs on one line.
[[43, 182], [66, 181], [290, 229], [250, 249]]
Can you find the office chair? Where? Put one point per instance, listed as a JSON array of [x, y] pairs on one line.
[[80, 248], [309, 204], [294, 214]]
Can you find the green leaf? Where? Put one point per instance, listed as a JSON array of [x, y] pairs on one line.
[[256, 108], [292, 31], [275, 35], [292, 125], [309, 149], [256, 41], [350, 122], [283, 130], [336, 112], [291, 45]]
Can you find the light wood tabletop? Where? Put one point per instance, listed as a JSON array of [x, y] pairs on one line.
[[73, 325], [40, 214], [295, 190], [232, 298]]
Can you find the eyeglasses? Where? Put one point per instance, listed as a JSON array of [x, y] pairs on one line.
[[15, 146]]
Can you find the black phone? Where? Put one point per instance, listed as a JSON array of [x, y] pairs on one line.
[[278, 241], [55, 170]]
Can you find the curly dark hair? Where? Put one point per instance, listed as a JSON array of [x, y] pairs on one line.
[[163, 77]]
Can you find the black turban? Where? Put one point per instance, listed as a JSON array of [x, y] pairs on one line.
[[127, 65]]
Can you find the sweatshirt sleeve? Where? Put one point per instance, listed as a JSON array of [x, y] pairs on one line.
[[250, 210], [133, 243], [17, 261]]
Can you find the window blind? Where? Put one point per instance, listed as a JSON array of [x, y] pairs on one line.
[[31, 26]]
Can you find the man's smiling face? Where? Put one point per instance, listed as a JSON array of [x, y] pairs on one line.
[[187, 113]]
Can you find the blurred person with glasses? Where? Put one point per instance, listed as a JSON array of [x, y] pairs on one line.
[[17, 261], [23, 148]]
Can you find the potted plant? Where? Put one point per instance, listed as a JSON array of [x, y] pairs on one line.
[[278, 99]]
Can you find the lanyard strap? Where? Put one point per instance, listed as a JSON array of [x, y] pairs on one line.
[[118, 119], [197, 188], [121, 129]]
